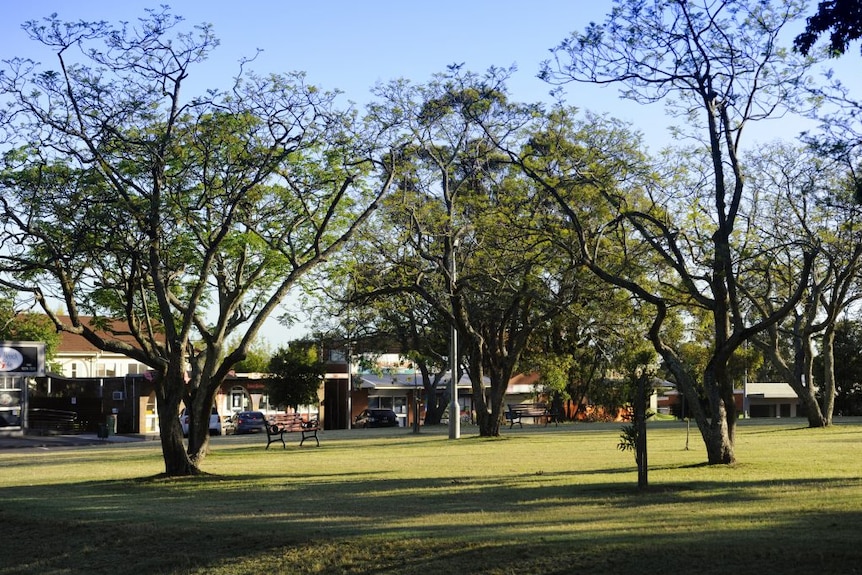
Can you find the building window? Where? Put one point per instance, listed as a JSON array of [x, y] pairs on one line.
[[400, 404], [239, 400], [136, 368], [74, 369], [387, 402], [106, 370]]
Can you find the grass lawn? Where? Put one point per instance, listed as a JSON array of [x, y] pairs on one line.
[[553, 500]]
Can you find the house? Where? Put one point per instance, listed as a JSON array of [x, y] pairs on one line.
[[770, 400], [102, 387], [763, 399], [399, 390], [76, 357]]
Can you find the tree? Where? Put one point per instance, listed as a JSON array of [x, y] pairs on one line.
[[360, 297], [848, 367], [187, 220], [257, 358], [296, 375], [719, 66], [578, 351], [27, 326], [640, 372], [469, 235], [811, 203], [841, 18]]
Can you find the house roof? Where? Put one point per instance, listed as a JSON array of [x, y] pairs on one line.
[[763, 390], [71, 343], [770, 390], [394, 381]]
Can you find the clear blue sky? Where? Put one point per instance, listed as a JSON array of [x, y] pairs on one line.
[[352, 44]]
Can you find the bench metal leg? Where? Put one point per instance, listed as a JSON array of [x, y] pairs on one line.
[[313, 436], [271, 439]]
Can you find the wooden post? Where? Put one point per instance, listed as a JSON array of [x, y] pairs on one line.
[[640, 431]]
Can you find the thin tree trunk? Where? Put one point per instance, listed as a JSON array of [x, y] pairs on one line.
[[827, 349], [641, 431]]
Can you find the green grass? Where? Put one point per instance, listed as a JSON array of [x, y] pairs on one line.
[[539, 500]]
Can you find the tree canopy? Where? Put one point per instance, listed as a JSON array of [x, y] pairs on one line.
[[189, 219], [718, 83], [842, 19], [295, 375]]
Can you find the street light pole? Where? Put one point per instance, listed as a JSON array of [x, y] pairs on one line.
[[415, 400], [454, 407]]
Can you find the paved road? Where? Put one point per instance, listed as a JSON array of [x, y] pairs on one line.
[[58, 441]]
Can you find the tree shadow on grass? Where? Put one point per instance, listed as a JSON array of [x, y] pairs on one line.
[[184, 525]]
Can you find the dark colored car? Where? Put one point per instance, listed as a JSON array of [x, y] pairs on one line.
[[377, 418], [248, 422]]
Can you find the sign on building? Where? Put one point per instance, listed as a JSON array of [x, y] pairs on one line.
[[18, 361], [22, 358]]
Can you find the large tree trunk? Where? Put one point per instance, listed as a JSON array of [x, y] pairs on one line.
[[199, 432], [489, 423], [487, 416], [489, 407], [719, 432], [719, 447], [828, 393], [803, 381], [716, 428], [177, 461], [435, 406], [799, 373]]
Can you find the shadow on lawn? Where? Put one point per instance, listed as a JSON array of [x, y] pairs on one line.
[[366, 524]]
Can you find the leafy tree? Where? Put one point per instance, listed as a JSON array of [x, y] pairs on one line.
[[640, 372], [360, 297], [186, 220], [719, 66], [27, 326], [841, 18], [811, 204], [848, 367], [469, 237], [256, 360], [578, 351], [296, 374]]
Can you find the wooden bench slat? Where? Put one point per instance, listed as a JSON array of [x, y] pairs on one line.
[[535, 410], [282, 423]]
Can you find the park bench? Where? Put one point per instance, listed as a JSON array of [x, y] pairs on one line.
[[535, 410], [282, 423]]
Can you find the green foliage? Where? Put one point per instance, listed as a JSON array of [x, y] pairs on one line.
[[628, 438], [296, 375], [257, 359], [186, 218], [847, 351], [841, 18], [28, 327]]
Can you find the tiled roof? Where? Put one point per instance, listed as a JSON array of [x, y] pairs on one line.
[[74, 343]]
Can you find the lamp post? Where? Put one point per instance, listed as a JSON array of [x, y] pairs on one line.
[[415, 400], [454, 408], [349, 384]]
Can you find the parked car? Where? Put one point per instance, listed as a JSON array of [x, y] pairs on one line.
[[376, 418], [247, 422], [215, 422]]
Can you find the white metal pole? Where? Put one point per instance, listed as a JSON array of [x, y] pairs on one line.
[[454, 407]]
